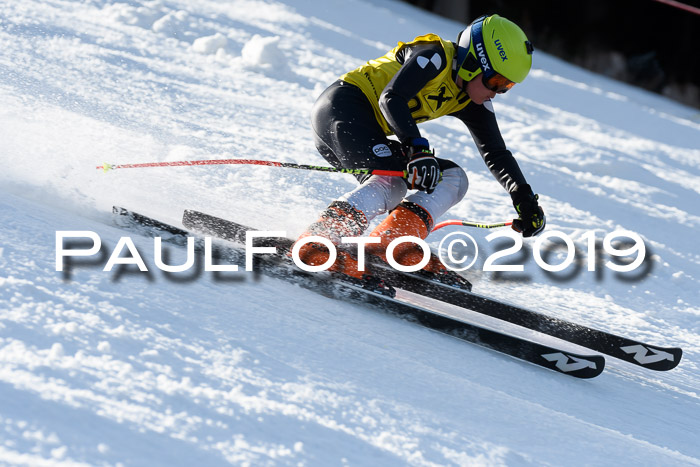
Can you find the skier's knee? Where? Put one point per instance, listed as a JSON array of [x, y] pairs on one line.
[[449, 192], [379, 194], [456, 179]]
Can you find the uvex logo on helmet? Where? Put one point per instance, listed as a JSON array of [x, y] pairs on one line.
[[482, 56], [501, 52]]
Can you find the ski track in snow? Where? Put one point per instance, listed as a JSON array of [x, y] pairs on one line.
[[142, 369]]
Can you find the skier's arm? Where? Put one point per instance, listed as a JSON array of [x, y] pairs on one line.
[[481, 122], [420, 64], [484, 130]]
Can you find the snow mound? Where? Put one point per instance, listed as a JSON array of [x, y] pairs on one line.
[[141, 16], [172, 24], [210, 44], [263, 53]]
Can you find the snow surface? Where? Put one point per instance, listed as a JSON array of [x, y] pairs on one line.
[[155, 369]]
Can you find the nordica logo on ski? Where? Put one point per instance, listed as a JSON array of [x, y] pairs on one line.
[[568, 363], [482, 56], [501, 52], [647, 356]]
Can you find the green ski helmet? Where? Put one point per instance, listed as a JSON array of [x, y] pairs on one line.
[[494, 46]]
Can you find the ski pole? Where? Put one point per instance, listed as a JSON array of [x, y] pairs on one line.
[[392, 173], [470, 224]]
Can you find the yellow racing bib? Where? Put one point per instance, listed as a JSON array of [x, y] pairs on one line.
[[437, 98]]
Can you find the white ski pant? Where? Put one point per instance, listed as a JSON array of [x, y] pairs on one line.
[[380, 194]]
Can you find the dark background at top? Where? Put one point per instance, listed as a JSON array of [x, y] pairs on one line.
[[642, 42]]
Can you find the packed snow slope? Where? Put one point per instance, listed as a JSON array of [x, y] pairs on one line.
[[138, 368]]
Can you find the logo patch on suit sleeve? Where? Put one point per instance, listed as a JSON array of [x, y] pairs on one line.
[[381, 150], [435, 60]]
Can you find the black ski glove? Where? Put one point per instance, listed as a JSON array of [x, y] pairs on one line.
[[531, 218], [423, 170]]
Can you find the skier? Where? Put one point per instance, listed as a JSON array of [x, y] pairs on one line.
[[426, 78]]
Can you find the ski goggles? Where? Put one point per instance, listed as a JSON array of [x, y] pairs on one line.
[[497, 83]]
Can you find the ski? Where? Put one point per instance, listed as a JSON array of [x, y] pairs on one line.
[[126, 217], [572, 364], [643, 354]]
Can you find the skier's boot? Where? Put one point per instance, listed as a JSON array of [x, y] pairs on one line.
[[409, 219], [340, 220]]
